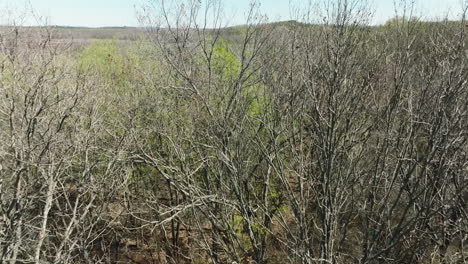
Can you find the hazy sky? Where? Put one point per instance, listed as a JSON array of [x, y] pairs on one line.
[[97, 13]]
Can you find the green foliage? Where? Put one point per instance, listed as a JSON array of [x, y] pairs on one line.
[[237, 227], [225, 62], [103, 57], [257, 99]]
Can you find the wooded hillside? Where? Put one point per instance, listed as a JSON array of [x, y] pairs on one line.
[[321, 141]]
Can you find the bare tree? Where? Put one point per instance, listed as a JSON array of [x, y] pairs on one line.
[[321, 140], [53, 169]]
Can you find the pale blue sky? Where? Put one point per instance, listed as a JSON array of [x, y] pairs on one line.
[[97, 13]]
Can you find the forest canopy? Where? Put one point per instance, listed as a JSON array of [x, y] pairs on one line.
[[185, 140]]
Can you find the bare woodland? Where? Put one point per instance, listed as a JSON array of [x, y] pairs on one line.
[[320, 140]]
